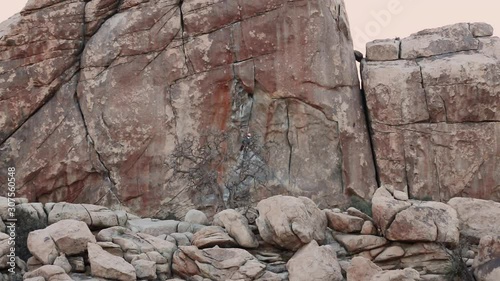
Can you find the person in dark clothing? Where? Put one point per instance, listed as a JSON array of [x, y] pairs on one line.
[[247, 140]]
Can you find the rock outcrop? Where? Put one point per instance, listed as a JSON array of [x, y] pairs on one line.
[[433, 102], [290, 222], [94, 103], [487, 262], [415, 220], [181, 108], [477, 217], [314, 262], [106, 265]]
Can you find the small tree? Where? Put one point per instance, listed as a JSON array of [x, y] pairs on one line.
[[212, 162]]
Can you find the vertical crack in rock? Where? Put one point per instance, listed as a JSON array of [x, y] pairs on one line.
[[90, 140], [92, 144], [183, 38], [170, 101], [445, 109], [341, 161], [313, 106], [288, 141], [241, 105], [369, 131], [437, 176], [425, 92], [408, 186]]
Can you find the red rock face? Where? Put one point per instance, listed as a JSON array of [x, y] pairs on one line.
[[435, 115], [99, 99]]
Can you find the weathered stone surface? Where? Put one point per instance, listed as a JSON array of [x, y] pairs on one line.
[[37, 278], [196, 216], [210, 236], [481, 29], [390, 253], [385, 208], [400, 195], [425, 221], [290, 222], [368, 228], [487, 261], [425, 257], [48, 272], [96, 217], [343, 222], [34, 67], [63, 263], [437, 41], [362, 269], [435, 119], [41, 245], [314, 262], [217, 264], [98, 96], [70, 236], [101, 217], [180, 239], [383, 50], [106, 265], [489, 271], [153, 227], [390, 101], [33, 263], [64, 211], [111, 248], [145, 269], [359, 243], [407, 274], [433, 277], [106, 235], [237, 227], [477, 217]]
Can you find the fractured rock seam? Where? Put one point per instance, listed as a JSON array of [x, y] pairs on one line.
[[79, 108], [288, 141], [369, 131]]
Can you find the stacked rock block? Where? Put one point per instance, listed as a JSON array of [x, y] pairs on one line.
[[434, 108]]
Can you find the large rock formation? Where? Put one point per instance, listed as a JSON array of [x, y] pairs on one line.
[[433, 100], [96, 95]]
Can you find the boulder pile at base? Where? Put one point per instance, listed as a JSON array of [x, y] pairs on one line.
[[282, 238]]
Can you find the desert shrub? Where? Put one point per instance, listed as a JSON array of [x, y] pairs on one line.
[[458, 269], [27, 221], [362, 205], [198, 162]]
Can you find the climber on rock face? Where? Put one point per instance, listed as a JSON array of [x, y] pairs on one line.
[[246, 141]]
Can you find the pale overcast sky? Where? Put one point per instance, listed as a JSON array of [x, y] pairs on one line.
[[378, 19]]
